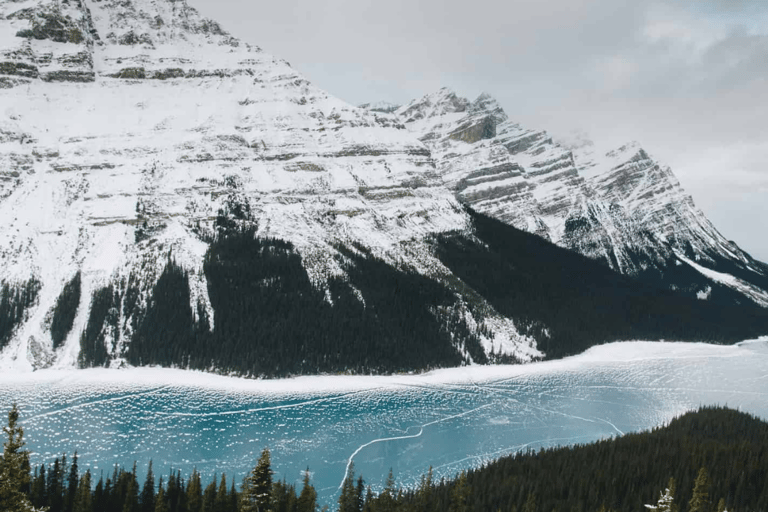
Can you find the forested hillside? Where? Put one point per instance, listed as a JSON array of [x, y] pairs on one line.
[[569, 302], [704, 461]]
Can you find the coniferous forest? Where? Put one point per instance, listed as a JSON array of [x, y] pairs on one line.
[[270, 320], [711, 460], [570, 302]]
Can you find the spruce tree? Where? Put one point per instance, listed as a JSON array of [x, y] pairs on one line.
[[222, 496], [83, 501], [257, 486], [148, 491], [700, 499], [666, 501], [386, 501], [14, 472], [308, 498], [194, 493], [460, 494], [161, 504], [348, 497]]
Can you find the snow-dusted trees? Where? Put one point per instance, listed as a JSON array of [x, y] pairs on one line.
[[666, 501], [257, 486], [14, 468]]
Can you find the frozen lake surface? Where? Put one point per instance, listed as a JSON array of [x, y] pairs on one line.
[[450, 419]]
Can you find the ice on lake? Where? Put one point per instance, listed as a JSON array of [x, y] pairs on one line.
[[448, 419]]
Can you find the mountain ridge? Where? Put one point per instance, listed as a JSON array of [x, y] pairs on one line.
[[160, 175], [622, 207]]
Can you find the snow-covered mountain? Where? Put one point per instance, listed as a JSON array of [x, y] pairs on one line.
[[623, 207], [171, 195], [129, 126]]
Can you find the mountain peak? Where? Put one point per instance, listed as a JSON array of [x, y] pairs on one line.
[[441, 102]]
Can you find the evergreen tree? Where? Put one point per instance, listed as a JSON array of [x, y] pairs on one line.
[[38, 495], [221, 504], [161, 504], [72, 481], [194, 493], [348, 500], [148, 491], [14, 467], [83, 501], [257, 486], [666, 501], [307, 501], [700, 499], [460, 495], [209, 496], [424, 492], [131, 503], [386, 500]]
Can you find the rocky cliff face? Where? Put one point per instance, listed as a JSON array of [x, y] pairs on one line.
[[623, 208], [131, 127]]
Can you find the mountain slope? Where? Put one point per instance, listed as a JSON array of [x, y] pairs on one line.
[[173, 196], [137, 132], [622, 208]]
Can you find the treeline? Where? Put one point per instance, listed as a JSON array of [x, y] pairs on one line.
[[717, 459], [569, 302], [271, 321], [625, 473]]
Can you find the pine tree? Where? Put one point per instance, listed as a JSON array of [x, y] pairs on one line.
[[348, 498], [257, 486], [131, 503], [209, 495], [194, 493], [148, 491], [222, 496], [161, 504], [72, 481], [14, 472], [424, 492], [308, 498], [83, 501], [700, 499], [386, 501], [460, 494], [666, 501]]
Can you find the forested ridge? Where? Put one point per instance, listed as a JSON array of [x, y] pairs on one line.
[[569, 302], [705, 461]]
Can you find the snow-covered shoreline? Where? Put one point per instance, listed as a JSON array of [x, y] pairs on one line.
[[611, 352]]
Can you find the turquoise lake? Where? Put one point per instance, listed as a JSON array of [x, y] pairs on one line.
[[450, 420]]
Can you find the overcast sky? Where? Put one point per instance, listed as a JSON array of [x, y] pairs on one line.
[[688, 79]]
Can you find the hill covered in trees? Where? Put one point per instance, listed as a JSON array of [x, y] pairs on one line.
[[704, 461]]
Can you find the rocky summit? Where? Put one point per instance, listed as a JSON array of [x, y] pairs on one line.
[[171, 195], [622, 208]]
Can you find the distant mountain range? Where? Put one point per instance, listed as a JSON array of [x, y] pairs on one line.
[[171, 195]]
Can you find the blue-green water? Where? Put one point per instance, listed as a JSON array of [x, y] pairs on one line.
[[407, 425]]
